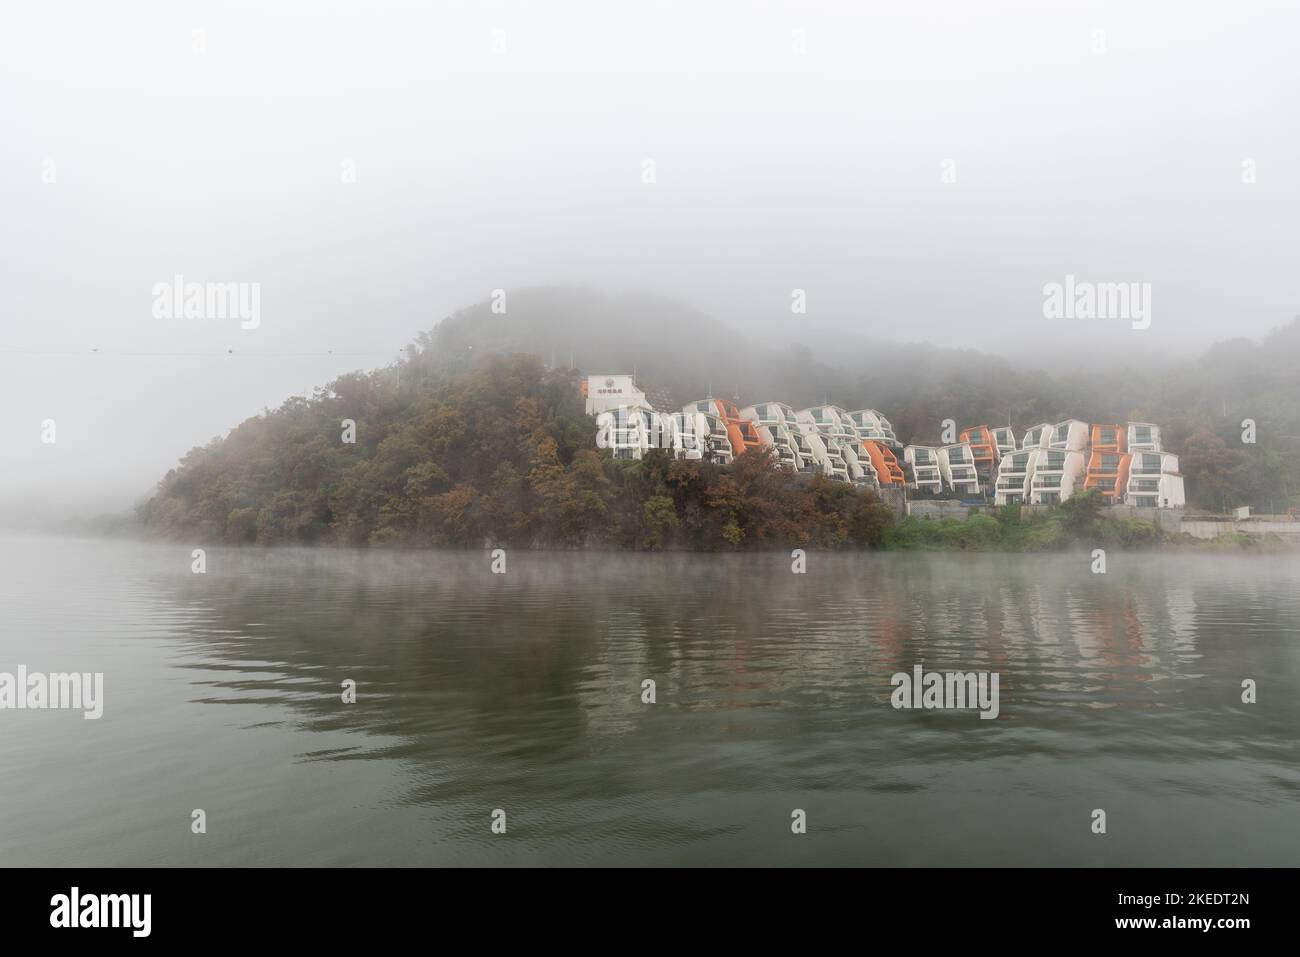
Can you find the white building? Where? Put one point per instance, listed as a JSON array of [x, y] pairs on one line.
[[717, 445], [628, 432], [1014, 474], [870, 424], [840, 437], [605, 393], [861, 469], [1005, 441], [1070, 435], [1058, 474], [808, 462], [1038, 437], [689, 435], [782, 428], [1154, 480], [825, 452], [957, 466], [924, 461], [1144, 437]]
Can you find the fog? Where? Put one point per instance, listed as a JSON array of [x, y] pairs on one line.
[[921, 170]]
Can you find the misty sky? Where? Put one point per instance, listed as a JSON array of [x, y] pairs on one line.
[[477, 168]]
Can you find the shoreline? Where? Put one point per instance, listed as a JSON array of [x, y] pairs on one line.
[[1172, 544]]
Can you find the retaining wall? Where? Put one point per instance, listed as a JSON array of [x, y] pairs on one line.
[[1169, 519]]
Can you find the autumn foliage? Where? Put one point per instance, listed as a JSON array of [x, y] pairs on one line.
[[501, 454]]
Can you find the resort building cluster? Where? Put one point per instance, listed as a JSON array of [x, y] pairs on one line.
[[1047, 464]]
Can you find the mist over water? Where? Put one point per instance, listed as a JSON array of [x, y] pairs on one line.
[[522, 691]]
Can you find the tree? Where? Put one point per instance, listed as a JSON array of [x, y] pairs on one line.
[[1216, 468]]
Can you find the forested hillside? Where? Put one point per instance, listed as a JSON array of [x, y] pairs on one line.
[[499, 453], [466, 441], [1200, 403]]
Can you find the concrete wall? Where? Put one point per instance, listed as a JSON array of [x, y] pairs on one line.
[[1169, 519], [896, 500], [945, 508], [1202, 528], [940, 508]]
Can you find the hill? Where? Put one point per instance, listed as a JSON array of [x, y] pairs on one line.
[[477, 436], [495, 453], [1200, 403]]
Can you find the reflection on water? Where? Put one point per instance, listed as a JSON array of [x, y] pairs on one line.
[[523, 691]]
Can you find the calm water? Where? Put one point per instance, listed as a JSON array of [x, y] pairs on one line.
[[523, 692]]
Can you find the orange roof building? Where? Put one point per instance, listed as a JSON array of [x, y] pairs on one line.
[[741, 431], [984, 450], [1109, 438], [889, 473], [1108, 472], [1108, 462]]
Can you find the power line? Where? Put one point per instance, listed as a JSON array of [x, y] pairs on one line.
[[226, 353]]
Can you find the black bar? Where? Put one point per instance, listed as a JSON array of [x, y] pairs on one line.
[[371, 906]]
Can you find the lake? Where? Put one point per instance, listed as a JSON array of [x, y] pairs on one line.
[[523, 692]]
